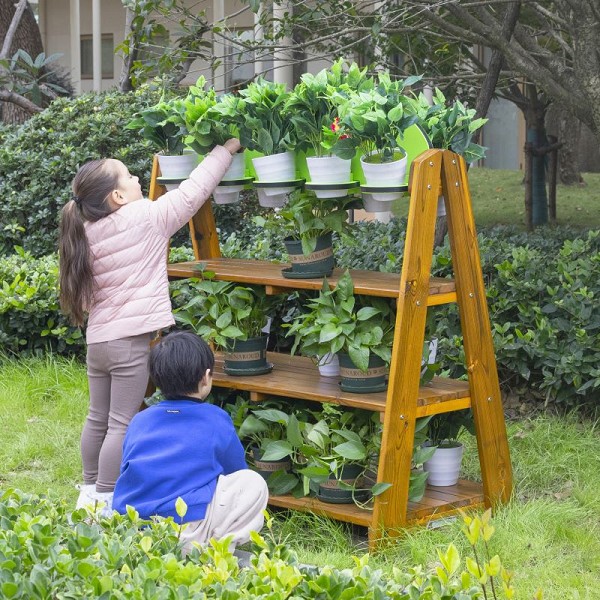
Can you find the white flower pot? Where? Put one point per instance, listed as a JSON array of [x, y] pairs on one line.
[[329, 169], [383, 174], [177, 167], [329, 365], [444, 466], [230, 194], [273, 200], [275, 167]]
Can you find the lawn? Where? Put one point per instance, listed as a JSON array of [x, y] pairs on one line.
[[499, 199], [549, 534]]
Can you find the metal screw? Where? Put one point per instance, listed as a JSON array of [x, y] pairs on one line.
[[418, 303], [489, 399], [431, 163], [429, 187], [456, 184], [471, 294], [453, 161], [402, 417]]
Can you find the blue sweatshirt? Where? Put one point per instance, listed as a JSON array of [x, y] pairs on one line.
[[177, 448]]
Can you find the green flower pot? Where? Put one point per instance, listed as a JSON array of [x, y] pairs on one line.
[[247, 357], [319, 263], [358, 382]]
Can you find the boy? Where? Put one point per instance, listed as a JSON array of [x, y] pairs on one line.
[[184, 447]]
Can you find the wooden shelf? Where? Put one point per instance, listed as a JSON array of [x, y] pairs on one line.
[[437, 502], [256, 272], [298, 377]]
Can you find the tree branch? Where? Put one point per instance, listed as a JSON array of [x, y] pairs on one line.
[[24, 103], [12, 29]]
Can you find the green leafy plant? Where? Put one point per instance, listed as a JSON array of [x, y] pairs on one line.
[[207, 119], [265, 127], [312, 109], [337, 320], [306, 217], [221, 311], [444, 430], [163, 125], [375, 119], [449, 126]]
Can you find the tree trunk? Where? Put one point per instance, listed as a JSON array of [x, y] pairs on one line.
[[27, 37], [569, 133], [125, 84]]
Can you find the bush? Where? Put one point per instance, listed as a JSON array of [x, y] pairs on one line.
[[30, 319], [49, 553], [39, 159]]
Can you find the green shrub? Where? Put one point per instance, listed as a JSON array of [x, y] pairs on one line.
[[30, 319], [49, 553], [39, 159]]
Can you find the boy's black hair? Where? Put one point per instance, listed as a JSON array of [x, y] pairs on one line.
[[178, 363]]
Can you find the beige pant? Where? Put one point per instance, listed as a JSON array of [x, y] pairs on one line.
[[236, 509]]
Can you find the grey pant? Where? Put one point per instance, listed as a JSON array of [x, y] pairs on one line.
[[118, 377], [236, 509]]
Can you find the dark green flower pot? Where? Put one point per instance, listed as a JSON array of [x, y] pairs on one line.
[[265, 468], [247, 357], [329, 491], [319, 263], [359, 382]]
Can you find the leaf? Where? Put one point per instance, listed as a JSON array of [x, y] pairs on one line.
[[351, 450], [277, 450], [181, 507]]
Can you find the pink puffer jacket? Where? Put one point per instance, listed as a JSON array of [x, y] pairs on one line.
[[129, 249]]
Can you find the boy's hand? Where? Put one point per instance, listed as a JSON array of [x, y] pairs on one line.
[[233, 145]]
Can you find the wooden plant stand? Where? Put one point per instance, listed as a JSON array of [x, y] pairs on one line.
[[435, 173]]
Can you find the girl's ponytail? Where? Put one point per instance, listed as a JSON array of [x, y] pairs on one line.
[[75, 277], [91, 187]]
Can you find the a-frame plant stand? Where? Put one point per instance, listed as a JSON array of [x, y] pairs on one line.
[[434, 173]]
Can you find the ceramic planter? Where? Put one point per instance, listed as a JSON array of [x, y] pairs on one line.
[[317, 264], [382, 175], [177, 167], [444, 466], [274, 168], [230, 194], [329, 365], [329, 170], [330, 491], [247, 357], [357, 381]]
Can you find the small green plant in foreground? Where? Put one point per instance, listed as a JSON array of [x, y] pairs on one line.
[[49, 552]]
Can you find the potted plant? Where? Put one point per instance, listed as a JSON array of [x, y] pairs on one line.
[[360, 330], [164, 126], [313, 113], [307, 223], [265, 129], [376, 119], [206, 129], [443, 431], [232, 317]]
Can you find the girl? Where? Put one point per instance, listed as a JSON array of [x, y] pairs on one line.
[[112, 249]]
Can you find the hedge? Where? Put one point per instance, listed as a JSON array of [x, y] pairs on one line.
[[542, 289]]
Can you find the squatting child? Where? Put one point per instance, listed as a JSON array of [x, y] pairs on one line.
[[185, 447]]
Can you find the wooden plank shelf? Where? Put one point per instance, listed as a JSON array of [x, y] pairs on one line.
[[298, 377], [257, 272], [437, 502]]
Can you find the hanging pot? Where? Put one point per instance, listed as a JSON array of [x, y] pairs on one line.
[[444, 466], [230, 194], [330, 491], [319, 263], [177, 166], [381, 175], [247, 357], [275, 167], [356, 381], [329, 170]]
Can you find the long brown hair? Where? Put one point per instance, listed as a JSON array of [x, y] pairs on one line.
[[91, 187]]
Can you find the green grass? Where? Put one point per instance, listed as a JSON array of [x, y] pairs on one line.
[[499, 199], [549, 534]]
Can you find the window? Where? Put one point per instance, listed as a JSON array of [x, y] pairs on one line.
[[239, 63], [107, 59]]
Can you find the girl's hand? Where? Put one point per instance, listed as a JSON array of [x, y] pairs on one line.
[[233, 145]]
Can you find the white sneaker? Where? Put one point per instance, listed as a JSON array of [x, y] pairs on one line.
[[85, 494]]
